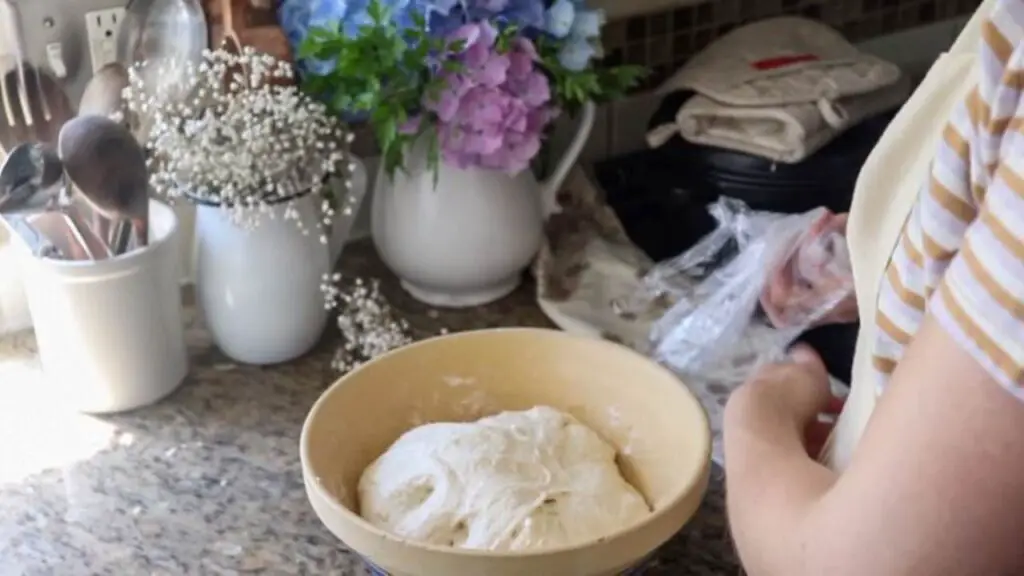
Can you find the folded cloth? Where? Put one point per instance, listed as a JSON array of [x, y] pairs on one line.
[[781, 89]]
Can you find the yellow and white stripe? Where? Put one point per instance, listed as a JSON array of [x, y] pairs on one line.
[[961, 254]]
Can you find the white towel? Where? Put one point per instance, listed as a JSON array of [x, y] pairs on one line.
[[781, 89]]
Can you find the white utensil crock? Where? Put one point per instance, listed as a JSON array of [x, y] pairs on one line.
[[467, 240], [110, 332], [260, 290]]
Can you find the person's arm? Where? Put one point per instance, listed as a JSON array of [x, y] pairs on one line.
[[936, 487]]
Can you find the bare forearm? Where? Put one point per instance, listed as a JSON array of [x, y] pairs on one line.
[[772, 489]]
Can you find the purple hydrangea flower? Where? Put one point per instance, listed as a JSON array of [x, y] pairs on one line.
[[492, 114]]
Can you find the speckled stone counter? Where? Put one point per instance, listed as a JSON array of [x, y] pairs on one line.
[[207, 482]]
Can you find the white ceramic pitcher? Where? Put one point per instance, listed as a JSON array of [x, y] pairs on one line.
[[260, 290], [466, 241]]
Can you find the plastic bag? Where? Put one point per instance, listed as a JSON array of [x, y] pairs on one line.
[[746, 291]]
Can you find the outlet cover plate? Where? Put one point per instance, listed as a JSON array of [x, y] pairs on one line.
[[101, 29]]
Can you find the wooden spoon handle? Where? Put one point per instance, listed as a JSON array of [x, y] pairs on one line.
[[252, 24], [233, 44], [11, 119], [231, 41]]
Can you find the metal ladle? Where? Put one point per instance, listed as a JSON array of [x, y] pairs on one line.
[[29, 178], [108, 167]]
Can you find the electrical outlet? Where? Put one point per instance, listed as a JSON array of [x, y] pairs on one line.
[[102, 28]]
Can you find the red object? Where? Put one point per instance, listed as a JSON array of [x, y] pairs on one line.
[[782, 61]]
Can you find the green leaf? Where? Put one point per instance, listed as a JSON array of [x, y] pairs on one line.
[[452, 66], [341, 101], [455, 46], [387, 128], [377, 12]]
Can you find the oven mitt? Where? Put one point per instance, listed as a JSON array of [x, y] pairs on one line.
[[780, 88]]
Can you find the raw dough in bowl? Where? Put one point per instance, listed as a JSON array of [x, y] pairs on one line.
[[515, 481]]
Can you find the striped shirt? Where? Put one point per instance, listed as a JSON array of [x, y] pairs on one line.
[[960, 256]]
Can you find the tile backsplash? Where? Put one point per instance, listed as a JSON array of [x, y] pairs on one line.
[[664, 40]]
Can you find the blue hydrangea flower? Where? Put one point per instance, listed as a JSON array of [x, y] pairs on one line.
[[352, 15], [559, 18], [527, 15], [444, 6], [298, 16], [587, 24], [577, 53], [293, 16], [579, 28]]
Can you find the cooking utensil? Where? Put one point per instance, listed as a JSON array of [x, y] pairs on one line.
[[38, 243], [13, 130], [9, 15], [9, 119], [48, 100], [162, 33], [94, 226], [50, 105], [29, 178], [47, 114], [75, 240], [103, 93], [83, 211], [20, 167], [13, 18], [120, 237], [157, 38], [108, 168], [255, 24], [29, 185]]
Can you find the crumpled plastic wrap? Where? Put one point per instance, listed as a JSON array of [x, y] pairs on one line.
[[745, 292]]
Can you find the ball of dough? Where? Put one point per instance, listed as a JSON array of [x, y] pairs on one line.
[[515, 481]]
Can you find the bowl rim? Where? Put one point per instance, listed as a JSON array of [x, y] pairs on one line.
[[351, 516]]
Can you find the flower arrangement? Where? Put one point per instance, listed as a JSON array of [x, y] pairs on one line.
[[480, 80], [238, 133]]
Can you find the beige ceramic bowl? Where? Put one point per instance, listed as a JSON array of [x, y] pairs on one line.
[[659, 428]]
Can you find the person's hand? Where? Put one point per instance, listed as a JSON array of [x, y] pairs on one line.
[[818, 431], [804, 282], [795, 392]]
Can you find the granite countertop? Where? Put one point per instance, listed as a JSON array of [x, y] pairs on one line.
[[208, 480]]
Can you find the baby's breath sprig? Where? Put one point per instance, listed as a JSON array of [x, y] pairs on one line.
[[237, 132], [369, 327]]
